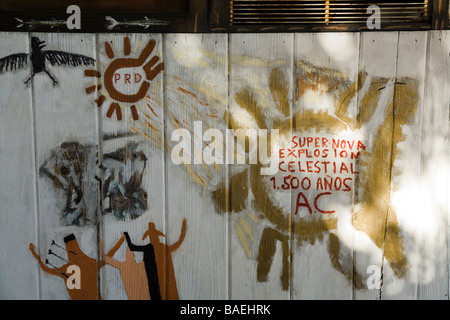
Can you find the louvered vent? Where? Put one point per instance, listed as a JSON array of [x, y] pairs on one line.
[[244, 12]]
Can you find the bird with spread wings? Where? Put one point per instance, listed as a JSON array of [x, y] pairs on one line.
[[39, 57]]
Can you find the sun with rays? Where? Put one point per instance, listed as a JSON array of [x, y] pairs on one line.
[[126, 79]]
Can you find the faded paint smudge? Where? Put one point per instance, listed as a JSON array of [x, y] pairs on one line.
[[71, 169], [67, 169], [123, 194]]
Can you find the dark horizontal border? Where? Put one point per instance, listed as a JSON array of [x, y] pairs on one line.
[[278, 309], [93, 5], [201, 16], [321, 28], [93, 23]]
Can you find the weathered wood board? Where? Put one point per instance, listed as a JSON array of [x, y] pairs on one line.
[[121, 161], [195, 92], [377, 71], [326, 80], [406, 161], [260, 99], [131, 138], [18, 205], [324, 112], [433, 272], [66, 153]]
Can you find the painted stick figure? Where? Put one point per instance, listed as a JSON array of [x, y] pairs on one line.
[[158, 262], [89, 268], [133, 273]]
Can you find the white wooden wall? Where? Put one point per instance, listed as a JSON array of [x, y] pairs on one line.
[[244, 240]]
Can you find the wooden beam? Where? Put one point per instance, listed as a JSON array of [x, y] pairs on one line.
[[143, 6], [219, 13], [439, 14], [197, 15]]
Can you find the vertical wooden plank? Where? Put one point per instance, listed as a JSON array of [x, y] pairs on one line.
[[132, 144], [377, 68], [195, 92], [18, 275], [406, 164], [433, 275], [439, 14], [66, 143], [197, 16], [324, 115], [219, 14], [260, 99]]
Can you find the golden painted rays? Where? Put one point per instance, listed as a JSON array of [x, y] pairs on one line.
[[375, 216], [126, 80]]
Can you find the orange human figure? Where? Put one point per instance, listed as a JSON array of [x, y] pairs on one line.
[[132, 273], [159, 262], [163, 255], [89, 268]]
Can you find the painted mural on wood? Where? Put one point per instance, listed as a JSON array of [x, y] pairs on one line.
[[151, 279], [123, 195], [87, 287], [138, 71], [39, 58], [322, 159], [289, 155]]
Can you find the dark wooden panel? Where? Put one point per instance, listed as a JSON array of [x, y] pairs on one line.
[[439, 14], [192, 16], [94, 5]]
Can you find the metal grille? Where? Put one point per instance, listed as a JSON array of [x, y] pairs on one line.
[[298, 12]]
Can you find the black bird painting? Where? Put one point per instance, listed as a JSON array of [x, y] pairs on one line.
[[39, 57]]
